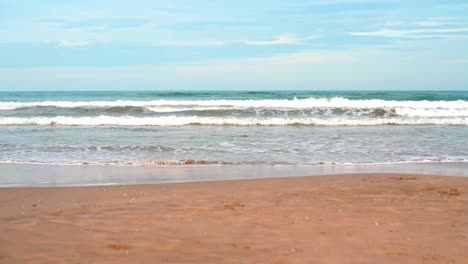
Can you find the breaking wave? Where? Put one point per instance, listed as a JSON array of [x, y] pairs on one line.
[[335, 111], [335, 102], [173, 120]]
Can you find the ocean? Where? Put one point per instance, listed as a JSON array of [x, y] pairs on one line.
[[164, 128]]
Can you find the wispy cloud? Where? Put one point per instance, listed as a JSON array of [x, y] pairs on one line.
[[424, 23], [412, 33], [262, 42], [72, 44], [455, 61], [285, 39], [205, 73], [393, 23], [430, 23], [281, 40], [191, 43], [108, 23]]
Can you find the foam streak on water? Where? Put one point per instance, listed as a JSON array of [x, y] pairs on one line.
[[229, 121]]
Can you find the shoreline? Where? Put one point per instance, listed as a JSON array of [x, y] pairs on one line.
[[33, 175], [208, 163], [367, 218]]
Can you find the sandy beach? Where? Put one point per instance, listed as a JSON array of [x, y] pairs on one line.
[[367, 218]]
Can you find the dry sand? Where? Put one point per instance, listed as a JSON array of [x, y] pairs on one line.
[[384, 218]]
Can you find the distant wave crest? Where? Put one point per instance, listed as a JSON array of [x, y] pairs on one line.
[[335, 102]]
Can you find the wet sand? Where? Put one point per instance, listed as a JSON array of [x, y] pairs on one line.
[[368, 218]]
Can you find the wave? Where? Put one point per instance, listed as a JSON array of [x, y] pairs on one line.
[[192, 162], [335, 102], [226, 121], [255, 112], [168, 109], [106, 148], [433, 112], [378, 111]]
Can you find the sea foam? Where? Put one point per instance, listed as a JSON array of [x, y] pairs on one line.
[[223, 121]]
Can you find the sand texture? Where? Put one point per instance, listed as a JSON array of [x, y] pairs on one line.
[[372, 218]]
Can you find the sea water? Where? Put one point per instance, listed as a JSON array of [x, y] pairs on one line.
[[233, 127]]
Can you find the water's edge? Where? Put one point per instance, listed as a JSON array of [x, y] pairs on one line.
[[30, 175]]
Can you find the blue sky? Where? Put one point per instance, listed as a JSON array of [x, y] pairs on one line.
[[323, 44]]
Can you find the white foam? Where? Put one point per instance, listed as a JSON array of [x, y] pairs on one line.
[[335, 102], [220, 121], [138, 163], [174, 109], [431, 112]]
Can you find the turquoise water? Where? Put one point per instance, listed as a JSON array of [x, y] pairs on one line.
[[233, 127], [240, 95]]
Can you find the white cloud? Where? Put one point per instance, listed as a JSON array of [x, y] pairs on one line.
[[72, 44], [281, 40], [411, 33], [429, 22]]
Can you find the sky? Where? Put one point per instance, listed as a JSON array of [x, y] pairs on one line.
[[215, 45]]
